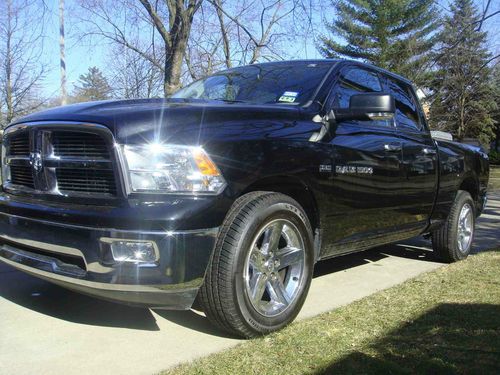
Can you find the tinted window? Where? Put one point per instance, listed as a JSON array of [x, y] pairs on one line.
[[406, 106], [354, 81], [261, 84]]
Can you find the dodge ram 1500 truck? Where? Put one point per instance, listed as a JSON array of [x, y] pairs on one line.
[[232, 189]]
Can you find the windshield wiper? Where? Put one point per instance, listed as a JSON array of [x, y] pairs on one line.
[[231, 101]]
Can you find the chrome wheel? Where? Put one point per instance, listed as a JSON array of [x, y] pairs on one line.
[[274, 268], [465, 228]]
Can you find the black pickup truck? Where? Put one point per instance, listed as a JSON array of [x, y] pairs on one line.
[[231, 190]]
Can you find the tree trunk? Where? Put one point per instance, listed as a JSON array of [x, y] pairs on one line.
[[173, 62], [461, 125], [225, 39], [173, 68]]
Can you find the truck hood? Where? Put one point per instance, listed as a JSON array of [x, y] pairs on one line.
[[170, 120]]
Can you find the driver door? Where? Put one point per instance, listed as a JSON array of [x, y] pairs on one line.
[[365, 203]]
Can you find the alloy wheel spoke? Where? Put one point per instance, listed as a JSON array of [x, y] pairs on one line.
[[272, 237], [255, 260], [258, 286], [289, 256], [277, 291]]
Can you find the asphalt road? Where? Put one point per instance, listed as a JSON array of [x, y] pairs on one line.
[[45, 329]]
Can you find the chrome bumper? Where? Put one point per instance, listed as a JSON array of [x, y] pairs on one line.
[[74, 257]]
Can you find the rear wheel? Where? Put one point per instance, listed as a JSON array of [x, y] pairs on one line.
[[453, 241], [261, 269]]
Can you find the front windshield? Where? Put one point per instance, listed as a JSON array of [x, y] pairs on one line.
[[280, 83]]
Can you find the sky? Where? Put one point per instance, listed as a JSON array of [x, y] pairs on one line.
[[80, 55]]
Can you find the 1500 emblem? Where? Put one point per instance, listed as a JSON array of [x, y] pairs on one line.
[[349, 169]]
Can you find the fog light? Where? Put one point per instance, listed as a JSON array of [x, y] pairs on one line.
[[134, 251]]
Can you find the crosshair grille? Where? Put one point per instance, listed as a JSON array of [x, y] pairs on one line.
[[70, 162]]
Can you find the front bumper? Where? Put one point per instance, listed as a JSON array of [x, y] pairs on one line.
[[75, 257]]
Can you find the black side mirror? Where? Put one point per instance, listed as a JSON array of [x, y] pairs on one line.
[[369, 106]]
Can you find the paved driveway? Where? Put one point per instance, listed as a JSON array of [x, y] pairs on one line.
[[45, 329]]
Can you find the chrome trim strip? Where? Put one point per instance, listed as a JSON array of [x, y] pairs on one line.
[[58, 249], [203, 231], [58, 267], [96, 285]]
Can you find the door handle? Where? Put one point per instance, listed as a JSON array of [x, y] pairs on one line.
[[392, 147], [429, 151]]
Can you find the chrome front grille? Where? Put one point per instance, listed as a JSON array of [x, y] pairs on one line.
[[77, 145], [86, 180], [62, 160], [22, 175], [19, 145]]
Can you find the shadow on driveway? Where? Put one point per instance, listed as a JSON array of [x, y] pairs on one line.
[[52, 300], [60, 303]]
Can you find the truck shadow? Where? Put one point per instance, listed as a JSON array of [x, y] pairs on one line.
[[418, 249], [57, 302], [54, 301]]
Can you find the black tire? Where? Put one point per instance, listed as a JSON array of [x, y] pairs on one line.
[[445, 240], [224, 295]]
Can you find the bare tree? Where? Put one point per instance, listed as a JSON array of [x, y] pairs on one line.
[[133, 77], [21, 47], [167, 23], [256, 28], [227, 33], [190, 39]]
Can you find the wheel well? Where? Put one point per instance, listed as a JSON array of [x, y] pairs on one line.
[[295, 189], [470, 185]]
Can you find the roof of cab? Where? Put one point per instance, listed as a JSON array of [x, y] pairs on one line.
[[341, 62]]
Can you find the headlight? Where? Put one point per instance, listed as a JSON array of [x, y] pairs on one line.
[[159, 168]]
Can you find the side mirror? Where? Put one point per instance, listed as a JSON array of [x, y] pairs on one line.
[[370, 106]]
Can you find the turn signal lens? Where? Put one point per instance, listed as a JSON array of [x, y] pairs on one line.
[[205, 165]]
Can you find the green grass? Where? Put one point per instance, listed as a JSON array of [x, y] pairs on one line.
[[445, 321], [494, 178]]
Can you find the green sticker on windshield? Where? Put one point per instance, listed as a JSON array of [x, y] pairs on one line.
[[288, 97]]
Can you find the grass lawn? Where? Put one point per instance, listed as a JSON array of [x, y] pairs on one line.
[[494, 177], [445, 321]]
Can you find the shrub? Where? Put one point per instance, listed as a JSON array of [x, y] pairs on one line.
[[494, 157]]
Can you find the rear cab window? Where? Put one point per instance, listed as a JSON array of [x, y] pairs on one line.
[[408, 115]]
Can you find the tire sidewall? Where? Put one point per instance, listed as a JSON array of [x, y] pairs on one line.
[[278, 210]]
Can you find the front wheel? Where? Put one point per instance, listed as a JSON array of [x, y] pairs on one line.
[[261, 269], [453, 241]]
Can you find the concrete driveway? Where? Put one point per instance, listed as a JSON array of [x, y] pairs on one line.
[[45, 329]]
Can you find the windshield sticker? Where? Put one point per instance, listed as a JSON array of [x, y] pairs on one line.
[[288, 96]]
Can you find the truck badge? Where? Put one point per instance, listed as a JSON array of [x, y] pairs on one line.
[[36, 161]]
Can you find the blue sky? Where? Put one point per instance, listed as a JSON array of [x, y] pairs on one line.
[[80, 56]]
